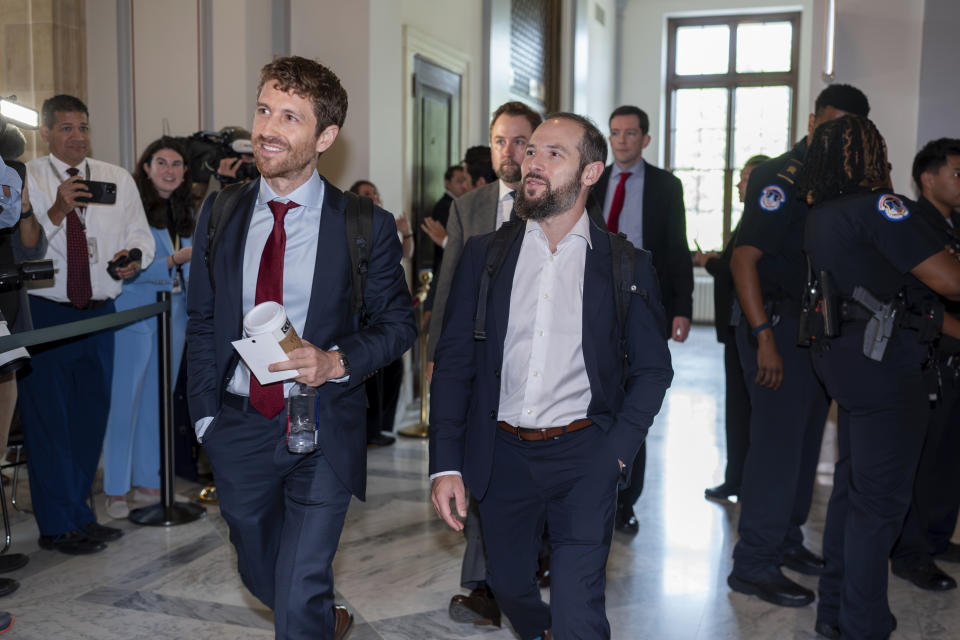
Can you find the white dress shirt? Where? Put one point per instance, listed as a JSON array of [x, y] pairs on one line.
[[109, 227], [544, 380], [504, 204], [299, 260]]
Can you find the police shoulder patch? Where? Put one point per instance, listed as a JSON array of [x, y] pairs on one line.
[[892, 207], [772, 198]]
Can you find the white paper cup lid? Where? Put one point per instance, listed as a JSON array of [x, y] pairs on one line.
[[264, 318]]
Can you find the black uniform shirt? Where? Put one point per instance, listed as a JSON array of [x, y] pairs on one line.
[[773, 222], [872, 239], [947, 233]]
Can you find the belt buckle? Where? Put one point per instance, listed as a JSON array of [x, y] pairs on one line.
[[519, 437]]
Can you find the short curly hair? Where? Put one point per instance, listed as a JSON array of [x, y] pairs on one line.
[[311, 80]]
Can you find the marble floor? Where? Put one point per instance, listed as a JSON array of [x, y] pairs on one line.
[[398, 565]]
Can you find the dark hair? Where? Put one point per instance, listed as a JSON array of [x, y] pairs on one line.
[[844, 97], [481, 169], [630, 110], [846, 155], [933, 156], [448, 174], [311, 80], [355, 187], [516, 109], [12, 143], [479, 153], [592, 146], [180, 201], [753, 161], [60, 102]]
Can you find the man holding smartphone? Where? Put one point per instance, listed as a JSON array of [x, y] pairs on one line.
[[65, 397]]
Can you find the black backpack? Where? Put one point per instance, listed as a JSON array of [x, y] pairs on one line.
[[622, 259], [359, 225]]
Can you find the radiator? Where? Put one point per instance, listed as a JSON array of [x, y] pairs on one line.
[[703, 311]]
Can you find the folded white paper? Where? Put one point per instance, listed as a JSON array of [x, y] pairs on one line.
[[260, 352], [13, 354]]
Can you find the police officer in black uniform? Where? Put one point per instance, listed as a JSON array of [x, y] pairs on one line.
[[936, 489], [788, 403], [881, 261]]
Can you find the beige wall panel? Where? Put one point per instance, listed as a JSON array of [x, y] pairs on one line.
[[102, 88], [338, 35], [241, 37], [166, 69]]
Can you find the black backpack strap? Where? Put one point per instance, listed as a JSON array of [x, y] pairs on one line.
[[358, 219], [493, 260], [623, 259], [224, 202]]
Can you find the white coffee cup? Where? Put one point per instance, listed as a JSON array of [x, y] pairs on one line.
[[271, 318]]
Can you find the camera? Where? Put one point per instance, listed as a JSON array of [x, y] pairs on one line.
[[205, 150], [13, 276], [135, 255]]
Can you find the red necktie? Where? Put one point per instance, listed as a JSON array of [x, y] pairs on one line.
[[613, 221], [79, 290], [269, 400]]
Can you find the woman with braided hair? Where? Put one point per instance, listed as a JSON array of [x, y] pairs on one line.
[[863, 238]]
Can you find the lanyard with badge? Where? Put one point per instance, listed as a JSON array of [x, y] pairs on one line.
[[81, 213]]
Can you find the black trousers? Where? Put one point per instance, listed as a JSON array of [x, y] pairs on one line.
[[285, 512], [786, 429], [881, 424], [569, 485], [64, 402], [383, 393], [933, 510], [737, 414]]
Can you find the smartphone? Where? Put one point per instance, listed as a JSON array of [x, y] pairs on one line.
[[100, 192]]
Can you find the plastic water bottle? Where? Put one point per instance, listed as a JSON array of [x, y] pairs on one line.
[[302, 419]]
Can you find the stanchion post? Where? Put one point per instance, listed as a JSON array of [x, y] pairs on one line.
[[167, 512], [422, 429]]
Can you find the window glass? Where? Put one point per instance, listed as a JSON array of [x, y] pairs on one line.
[[764, 46], [703, 49]]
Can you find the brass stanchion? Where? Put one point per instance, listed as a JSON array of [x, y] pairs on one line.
[[421, 429]]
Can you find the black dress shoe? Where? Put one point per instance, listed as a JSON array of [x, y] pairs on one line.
[[12, 562], [721, 492], [802, 560], [952, 554], [626, 520], [927, 576], [779, 590], [479, 607], [6, 621], [73, 543], [8, 586], [96, 531], [380, 440]]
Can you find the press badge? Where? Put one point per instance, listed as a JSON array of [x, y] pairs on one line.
[[176, 282], [92, 250]]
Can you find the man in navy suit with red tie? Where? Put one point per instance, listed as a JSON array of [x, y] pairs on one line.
[[286, 241], [542, 419]]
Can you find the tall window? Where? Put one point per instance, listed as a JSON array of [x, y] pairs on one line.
[[731, 94]]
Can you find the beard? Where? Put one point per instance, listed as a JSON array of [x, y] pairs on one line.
[[552, 202], [509, 171], [294, 162]]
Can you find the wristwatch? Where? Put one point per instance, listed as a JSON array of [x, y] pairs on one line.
[[26, 214], [344, 363]]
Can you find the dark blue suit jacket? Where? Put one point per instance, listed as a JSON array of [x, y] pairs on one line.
[[216, 319], [465, 392]]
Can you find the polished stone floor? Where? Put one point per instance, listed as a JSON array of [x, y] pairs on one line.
[[398, 565]]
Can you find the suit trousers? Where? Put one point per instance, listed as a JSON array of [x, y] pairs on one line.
[[569, 485], [736, 415], [881, 425], [285, 512], [64, 402], [935, 486], [786, 429]]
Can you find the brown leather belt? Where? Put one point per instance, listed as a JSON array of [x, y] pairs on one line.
[[550, 433]]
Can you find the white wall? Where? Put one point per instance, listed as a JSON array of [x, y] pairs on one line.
[[939, 109], [879, 45], [103, 98]]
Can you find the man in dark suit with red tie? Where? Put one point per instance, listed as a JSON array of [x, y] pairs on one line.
[[646, 203], [285, 241]]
